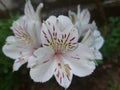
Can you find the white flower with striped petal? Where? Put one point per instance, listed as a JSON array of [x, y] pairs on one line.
[[81, 20], [94, 40], [27, 37], [92, 37], [61, 54]]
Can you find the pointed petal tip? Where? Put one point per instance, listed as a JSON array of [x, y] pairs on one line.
[[78, 6], [28, 2], [41, 5], [14, 68]]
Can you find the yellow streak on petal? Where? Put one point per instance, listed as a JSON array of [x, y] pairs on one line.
[[67, 69]]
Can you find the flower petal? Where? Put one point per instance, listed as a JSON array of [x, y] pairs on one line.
[[93, 39], [88, 38], [43, 72], [29, 10], [85, 17], [82, 29], [52, 35], [32, 61], [64, 23], [52, 19], [40, 56], [16, 49], [78, 11], [63, 73], [18, 63], [72, 16], [10, 50], [44, 65], [34, 32], [11, 39], [81, 61], [97, 54], [98, 42], [38, 11], [19, 28]]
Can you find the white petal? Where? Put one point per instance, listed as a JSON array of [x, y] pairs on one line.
[[38, 31], [52, 19], [93, 26], [18, 63], [96, 33], [9, 49], [81, 61], [78, 11], [10, 39], [44, 65], [97, 54], [32, 61], [82, 29], [43, 72], [72, 16], [19, 27], [64, 23], [43, 53], [33, 31], [46, 34], [85, 17], [29, 10], [98, 42], [51, 35], [64, 82], [38, 11], [15, 49], [88, 39], [63, 74], [40, 55], [93, 39]]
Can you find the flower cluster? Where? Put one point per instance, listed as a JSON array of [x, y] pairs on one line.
[[60, 46]]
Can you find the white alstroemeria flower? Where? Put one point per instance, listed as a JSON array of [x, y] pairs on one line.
[[27, 37], [61, 54], [81, 20], [94, 40], [89, 31], [33, 20]]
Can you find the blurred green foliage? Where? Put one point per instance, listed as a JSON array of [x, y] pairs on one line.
[[17, 80], [5, 63], [111, 34], [113, 85]]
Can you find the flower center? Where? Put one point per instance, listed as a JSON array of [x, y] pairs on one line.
[[59, 41], [58, 55]]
